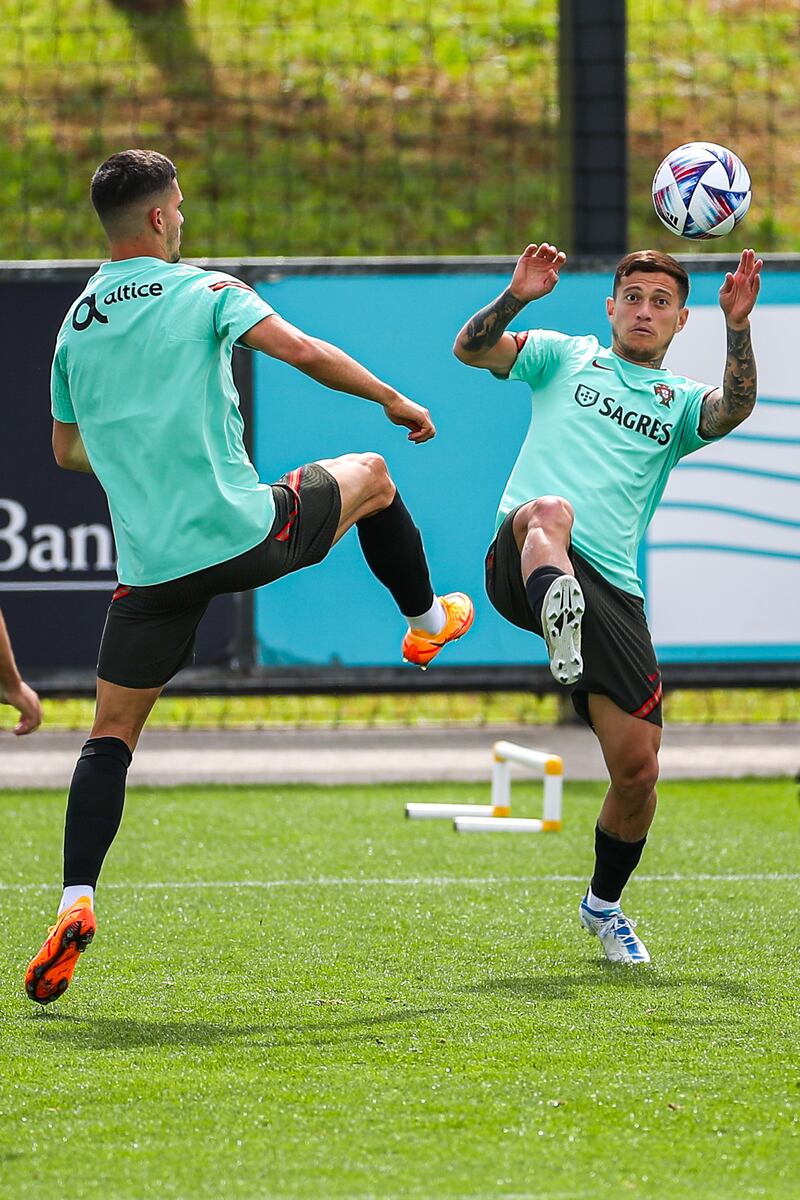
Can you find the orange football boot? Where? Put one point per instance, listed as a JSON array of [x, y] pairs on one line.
[[50, 971], [420, 647]]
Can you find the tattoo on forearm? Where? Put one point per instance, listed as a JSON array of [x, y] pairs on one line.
[[485, 329], [724, 410]]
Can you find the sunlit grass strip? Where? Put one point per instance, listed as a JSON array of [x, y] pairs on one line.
[[716, 706]]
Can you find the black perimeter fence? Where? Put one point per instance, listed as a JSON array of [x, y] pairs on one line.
[[378, 127]]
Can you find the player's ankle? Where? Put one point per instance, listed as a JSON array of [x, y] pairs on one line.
[[433, 621], [598, 904], [537, 586], [75, 892]]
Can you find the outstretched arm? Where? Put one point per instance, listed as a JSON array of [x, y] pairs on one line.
[[332, 367], [728, 406], [483, 342]]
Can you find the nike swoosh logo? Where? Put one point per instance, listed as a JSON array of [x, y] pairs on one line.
[[595, 363]]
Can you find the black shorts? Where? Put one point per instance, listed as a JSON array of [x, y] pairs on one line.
[[150, 631], [619, 660]]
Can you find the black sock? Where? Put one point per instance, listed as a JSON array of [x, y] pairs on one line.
[[536, 587], [94, 808], [392, 546], [614, 863]]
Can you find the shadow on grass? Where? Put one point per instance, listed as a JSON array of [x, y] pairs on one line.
[[163, 29], [608, 977], [124, 1033]]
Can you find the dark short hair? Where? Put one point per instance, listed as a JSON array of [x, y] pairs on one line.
[[651, 261], [129, 176]]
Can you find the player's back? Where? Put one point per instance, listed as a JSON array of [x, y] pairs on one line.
[[143, 364]]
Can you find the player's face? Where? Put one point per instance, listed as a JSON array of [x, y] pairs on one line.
[[645, 315], [173, 220]]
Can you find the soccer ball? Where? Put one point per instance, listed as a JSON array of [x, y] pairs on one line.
[[701, 190]]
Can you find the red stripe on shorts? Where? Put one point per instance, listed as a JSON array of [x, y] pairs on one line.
[[119, 593], [293, 481], [649, 703]]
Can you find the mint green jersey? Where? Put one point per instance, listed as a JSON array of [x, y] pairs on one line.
[[143, 365], [605, 434]]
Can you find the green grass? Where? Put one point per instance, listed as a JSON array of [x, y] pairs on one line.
[[404, 1013], [737, 706], [373, 127]]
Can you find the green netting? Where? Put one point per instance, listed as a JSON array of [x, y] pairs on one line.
[[357, 127]]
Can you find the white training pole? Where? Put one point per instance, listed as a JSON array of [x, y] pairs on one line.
[[496, 817], [552, 800], [523, 755], [497, 825], [435, 812], [501, 788], [501, 821]]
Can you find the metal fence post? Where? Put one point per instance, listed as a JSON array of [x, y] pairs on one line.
[[594, 168]]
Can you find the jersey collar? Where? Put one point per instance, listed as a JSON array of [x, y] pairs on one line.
[[125, 264], [631, 370]]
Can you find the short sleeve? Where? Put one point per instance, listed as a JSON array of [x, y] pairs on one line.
[[60, 399], [541, 355], [689, 438], [237, 307]]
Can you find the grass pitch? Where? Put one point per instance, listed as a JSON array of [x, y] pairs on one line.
[[296, 993]]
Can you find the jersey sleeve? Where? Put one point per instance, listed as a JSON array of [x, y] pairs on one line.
[[540, 356], [237, 307], [689, 435], [60, 399]]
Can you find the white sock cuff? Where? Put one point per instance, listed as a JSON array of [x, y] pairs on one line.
[[75, 892], [432, 621], [599, 905]]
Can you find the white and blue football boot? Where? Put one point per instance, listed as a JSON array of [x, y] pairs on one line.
[[616, 933], [562, 611]]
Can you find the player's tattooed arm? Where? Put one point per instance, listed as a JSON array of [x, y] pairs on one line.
[[483, 331], [481, 342], [726, 407]]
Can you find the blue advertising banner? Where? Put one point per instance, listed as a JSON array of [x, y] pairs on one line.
[[729, 523], [730, 518]]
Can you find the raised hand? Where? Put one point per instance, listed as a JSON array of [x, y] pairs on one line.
[[536, 272], [739, 292]]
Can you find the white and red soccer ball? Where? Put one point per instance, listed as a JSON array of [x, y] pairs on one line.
[[701, 190]]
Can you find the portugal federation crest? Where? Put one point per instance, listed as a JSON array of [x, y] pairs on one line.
[[664, 394], [586, 396]]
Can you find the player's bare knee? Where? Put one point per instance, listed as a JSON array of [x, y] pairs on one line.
[[553, 514], [637, 778], [380, 487]]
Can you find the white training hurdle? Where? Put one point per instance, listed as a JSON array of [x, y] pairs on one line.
[[496, 817]]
